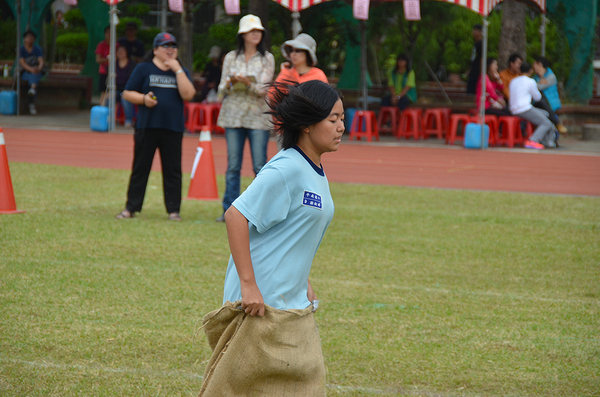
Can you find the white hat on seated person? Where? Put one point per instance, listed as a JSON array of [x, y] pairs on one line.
[[301, 42]]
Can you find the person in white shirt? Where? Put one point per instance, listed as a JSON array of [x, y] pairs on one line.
[[523, 90]]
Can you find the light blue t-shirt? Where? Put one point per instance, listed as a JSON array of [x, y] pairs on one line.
[[288, 207]]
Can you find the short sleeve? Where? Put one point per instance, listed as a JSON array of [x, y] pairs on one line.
[[411, 81], [267, 200], [136, 80]]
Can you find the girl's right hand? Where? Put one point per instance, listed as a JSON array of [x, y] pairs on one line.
[[252, 300], [149, 100]]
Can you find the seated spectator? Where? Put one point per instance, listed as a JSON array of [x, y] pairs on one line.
[[514, 70], [135, 47], [301, 53], [123, 67], [548, 85], [212, 73], [31, 61], [102, 56], [494, 101], [402, 85], [523, 90]]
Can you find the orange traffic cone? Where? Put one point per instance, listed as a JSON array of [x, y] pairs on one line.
[[7, 195], [204, 181]]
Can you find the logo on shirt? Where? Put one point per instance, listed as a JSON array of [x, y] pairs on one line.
[[157, 80], [312, 200]]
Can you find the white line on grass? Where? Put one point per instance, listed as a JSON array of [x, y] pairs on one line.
[[468, 292]]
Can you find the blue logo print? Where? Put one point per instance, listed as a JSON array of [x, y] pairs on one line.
[[312, 200]]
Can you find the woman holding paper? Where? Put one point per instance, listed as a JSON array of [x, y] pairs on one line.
[[243, 84]]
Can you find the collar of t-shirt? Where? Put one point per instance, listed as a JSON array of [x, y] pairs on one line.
[[318, 170]]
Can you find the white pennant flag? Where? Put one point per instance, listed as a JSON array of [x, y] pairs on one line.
[[232, 7], [412, 10], [176, 6], [361, 9]]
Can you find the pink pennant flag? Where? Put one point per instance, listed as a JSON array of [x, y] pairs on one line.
[[176, 6], [361, 9], [232, 7], [70, 2], [412, 10]]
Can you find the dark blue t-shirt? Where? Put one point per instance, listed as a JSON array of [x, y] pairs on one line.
[[168, 113], [36, 52]]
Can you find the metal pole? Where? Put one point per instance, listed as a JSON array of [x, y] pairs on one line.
[[543, 33], [296, 27], [482, 80], [432, 74], [16, 66], [111, 67], [163, 16], [363, 63]]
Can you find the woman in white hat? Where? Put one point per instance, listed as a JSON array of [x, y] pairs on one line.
[[302, 53], [246, 71]]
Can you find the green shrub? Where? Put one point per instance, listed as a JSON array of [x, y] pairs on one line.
[[69, 47], [76, 21], [8, 39]]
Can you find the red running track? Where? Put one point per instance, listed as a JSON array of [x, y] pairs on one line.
[[448, 168]]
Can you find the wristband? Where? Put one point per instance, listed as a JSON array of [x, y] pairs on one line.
[[179, 71]]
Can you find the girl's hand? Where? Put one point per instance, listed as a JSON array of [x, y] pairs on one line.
[[173, 64], [252, 300], [150, 100], [285, 65], [244, 80], [310, 293]]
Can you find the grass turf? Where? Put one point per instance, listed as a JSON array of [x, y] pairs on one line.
[[424, 292]]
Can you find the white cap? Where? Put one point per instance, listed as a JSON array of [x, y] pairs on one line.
[[248, 23], [301, 42]]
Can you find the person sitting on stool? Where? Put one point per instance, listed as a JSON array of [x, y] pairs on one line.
[[402, 85], [31, 62]]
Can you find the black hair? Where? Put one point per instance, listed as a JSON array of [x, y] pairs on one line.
[[514, 57], [404, 57], [309, 60], [260, 47], [526, 67], [106, 28], [298, 106], [478, 27], [131, 24], [149, 56], [31, 32], [544, 61], [490, 60]]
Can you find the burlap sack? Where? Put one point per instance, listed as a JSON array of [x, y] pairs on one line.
[[275, 355]]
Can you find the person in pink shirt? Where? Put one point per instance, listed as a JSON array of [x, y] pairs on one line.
[[494, 101], [102, 56], [302, 54]]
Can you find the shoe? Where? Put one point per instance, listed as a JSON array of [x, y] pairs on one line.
[[562, 129], [533, 145], [174, 216], [128, 124], [125, 214], [32, 109], [221, 218], [31, 92]]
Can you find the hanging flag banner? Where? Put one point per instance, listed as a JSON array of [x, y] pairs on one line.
[[109, 2], [361, 9], [412, 10], [176, 6], [232, 7], [70, 2]]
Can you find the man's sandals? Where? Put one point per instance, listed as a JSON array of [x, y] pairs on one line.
[[125, 214]]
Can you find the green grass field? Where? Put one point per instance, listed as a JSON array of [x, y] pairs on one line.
[[423, 292]]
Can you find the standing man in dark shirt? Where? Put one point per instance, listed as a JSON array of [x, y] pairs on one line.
[[134, 46], [212, 71], [475, 71]]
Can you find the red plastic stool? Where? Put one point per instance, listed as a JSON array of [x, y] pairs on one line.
[[435, 122], [452, 134], [492, 122], [509, 131], [364, 124], [391, 113], [411, 123], [190, 113]]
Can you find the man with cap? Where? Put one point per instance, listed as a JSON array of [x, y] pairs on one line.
[[302, 53], [159, 88], [134, 46]]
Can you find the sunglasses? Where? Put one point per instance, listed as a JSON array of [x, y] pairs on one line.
[[296, 50], [169, 46]]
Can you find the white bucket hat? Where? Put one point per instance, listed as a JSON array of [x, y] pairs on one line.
[[248, 23], [301, 42]]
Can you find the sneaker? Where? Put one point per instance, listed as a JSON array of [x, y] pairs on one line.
[[562, 129], [32, 109], [31, 92], [533, 145], [221, 218]]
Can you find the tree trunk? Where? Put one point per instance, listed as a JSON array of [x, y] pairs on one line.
[[513, 38], [186, 54], [260, 8]]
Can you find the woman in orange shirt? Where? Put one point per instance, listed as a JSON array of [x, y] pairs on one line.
[[302, 53]]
